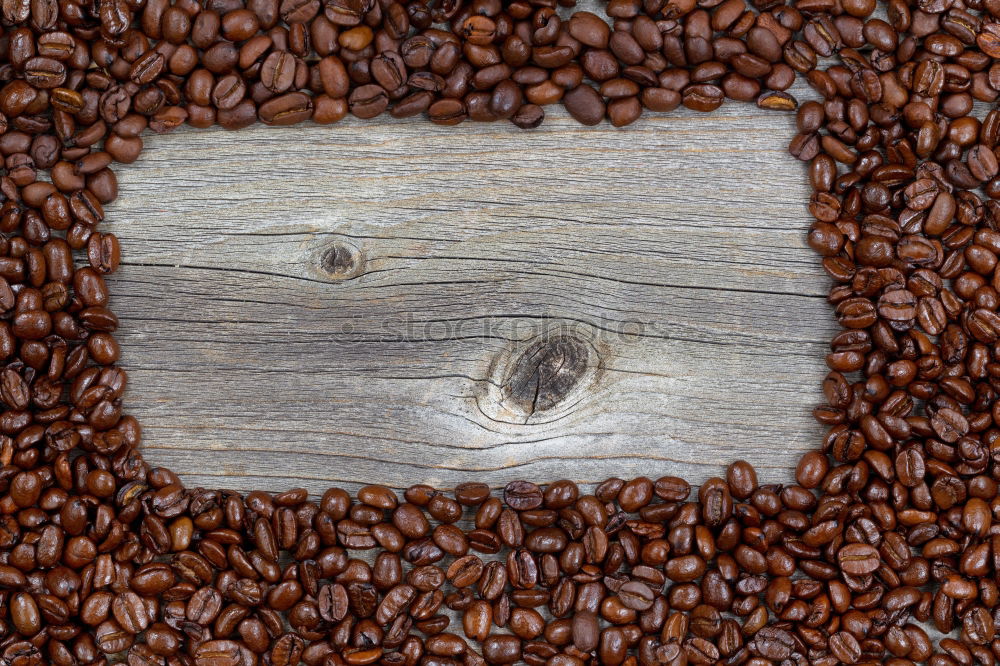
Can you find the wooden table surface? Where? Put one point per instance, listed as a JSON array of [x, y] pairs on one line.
[[391, 301]]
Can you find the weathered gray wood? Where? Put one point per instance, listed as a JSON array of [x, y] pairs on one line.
[[349, 304]]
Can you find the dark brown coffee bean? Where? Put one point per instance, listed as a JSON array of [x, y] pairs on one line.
[[858, 559], [637, 596], [585, 105], [277, 72], [228, 92], [589, 29], [447, 112], [287, 109], [702, 97]]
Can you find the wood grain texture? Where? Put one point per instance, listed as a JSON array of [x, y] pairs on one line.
[[398, 302]]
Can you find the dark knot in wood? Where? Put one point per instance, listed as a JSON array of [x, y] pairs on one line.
[[341, 261], [546, 373]]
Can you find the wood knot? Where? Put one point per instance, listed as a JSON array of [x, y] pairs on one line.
[[540, 381], [341, 261], [546, 373]]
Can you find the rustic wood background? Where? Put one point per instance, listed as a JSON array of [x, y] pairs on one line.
[[398, 302]]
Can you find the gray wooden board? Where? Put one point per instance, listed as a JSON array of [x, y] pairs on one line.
[[369, 301]]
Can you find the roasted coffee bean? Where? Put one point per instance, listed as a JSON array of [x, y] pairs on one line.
[[858, 559], [702, 97], [447, 112]]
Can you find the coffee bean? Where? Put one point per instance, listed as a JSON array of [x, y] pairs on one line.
[[221, 653], [589, 29], [702, 97], [501, 649], [287, 109], [858, 559], [636, 595], [447, 112], [773, 643], [844, 646], [277, 72], [742, 479], [529, 116], [585, 631], [585, 105], [130, 611], [111, 638], [228, 92], [522, 495]]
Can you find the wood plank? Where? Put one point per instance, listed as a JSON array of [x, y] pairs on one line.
[[377, 301]]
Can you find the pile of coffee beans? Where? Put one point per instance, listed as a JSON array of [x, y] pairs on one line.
[[883, 549]]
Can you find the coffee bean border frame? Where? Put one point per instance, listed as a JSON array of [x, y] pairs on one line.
[[890, 525]]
